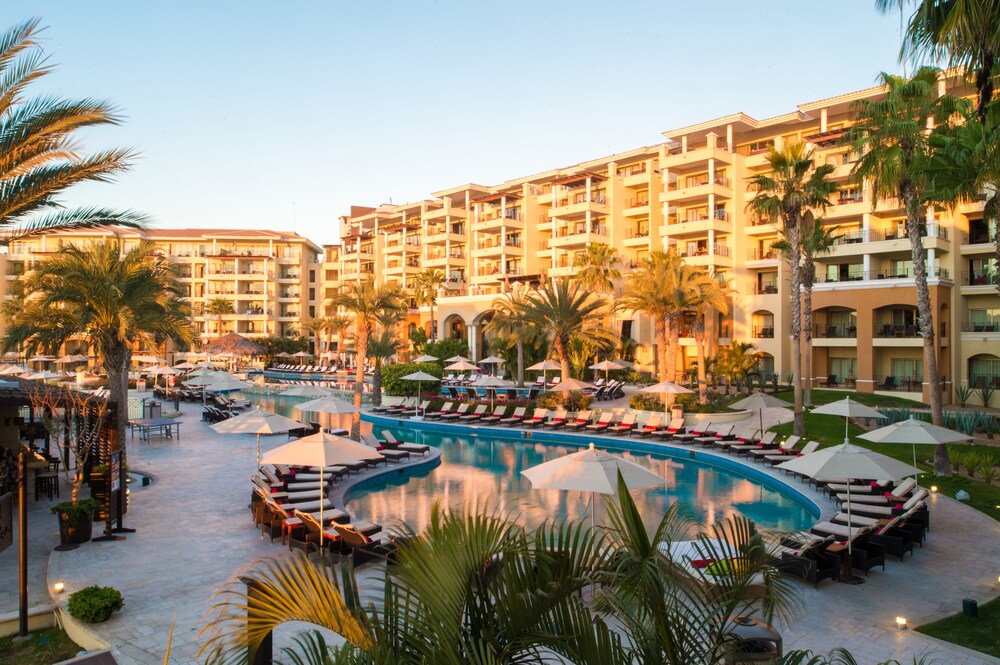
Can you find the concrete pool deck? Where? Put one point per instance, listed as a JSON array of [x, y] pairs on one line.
[[194, 533]]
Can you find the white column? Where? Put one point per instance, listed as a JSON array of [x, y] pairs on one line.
[[473, 336], [822, 121]]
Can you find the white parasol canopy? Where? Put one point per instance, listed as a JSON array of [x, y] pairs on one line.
[[849, 409], [758, 402], [257, 421], [570, 384], [328, 404], [665, 388], [425, 359], [462, 366], [306, 391], [456, 359], [915, 431]]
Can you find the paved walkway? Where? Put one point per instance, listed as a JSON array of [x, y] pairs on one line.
[[195, 533]]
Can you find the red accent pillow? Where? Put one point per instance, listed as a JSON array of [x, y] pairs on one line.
[[899, 506], [702, 563]]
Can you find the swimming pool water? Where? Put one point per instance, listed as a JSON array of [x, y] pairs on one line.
[[482, 468], [488, 469]]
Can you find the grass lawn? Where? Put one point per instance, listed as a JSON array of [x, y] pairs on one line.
[[44, 648], [979, 634], [868, 399]]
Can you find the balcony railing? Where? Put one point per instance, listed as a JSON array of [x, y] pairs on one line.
[[764, 289], [717, 249], [760, 220], [637, 233], [884, 273], [764, 332], [761, 254], [857, 236], [980, 279], [909, 384], [514, 215], [637, 202], [575, 199], [984, 381], [833, 331], [981, 326], [580, 229], [979, 237], [849, 199], [895, 330]]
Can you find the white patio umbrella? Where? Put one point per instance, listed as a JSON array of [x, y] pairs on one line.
[[72, 358], [45, 375], [420, 377], [320, 450], [163, 371], [915, 431], [185, 365], [14, 369], [843, 463], [544, 367], [849, 409], [306, 391], [758, 402], [283, 354], [624, 364], [462, 366], [590, 470], [11, 355], [257, 421], [148, 358], [491, 383], [328, 404], [456, 359], [665, 388], [607, 366], [227, 384], [205, 364], [425, 359], [302, 354], [570, 384], [203, 380]]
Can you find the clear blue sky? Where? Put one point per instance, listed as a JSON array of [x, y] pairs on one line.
[[246, 111]]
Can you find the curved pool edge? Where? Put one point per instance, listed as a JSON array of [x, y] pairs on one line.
[[819, 504], [340, 491]]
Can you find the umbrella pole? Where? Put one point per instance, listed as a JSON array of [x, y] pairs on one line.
[[258, 450], [322, 525], [914, 461], [847, 420], [850, 578]]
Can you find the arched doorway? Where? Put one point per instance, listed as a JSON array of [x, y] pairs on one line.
[[454, 327]]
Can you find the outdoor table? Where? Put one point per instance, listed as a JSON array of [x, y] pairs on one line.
[[149, 426], [287, 527], [754, 632], [839, 550], [47, 483]]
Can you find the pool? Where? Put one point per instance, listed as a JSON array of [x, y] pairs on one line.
[[488, 468], [483, 468]]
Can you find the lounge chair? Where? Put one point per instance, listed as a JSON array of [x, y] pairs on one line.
[[721, 432], [786, 447], [475, 415], [361, 548], [765, 443], [458, 413], [536, 419], [445, 409], [388, 454], [558, 419], [885, 512], [705, 429], [498, 414], [808, 560], [651, 425], [582, 420], [899, 494], [673, 428], [603, 422], [625, 426], [869, 487], [515, 418], [392, 442], [810, 447]]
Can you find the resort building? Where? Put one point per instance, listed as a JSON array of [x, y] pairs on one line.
[[271, 279], [690, 194]]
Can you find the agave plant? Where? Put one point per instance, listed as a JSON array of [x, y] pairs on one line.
[[963, 393]]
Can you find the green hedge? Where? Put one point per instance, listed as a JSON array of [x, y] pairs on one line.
[[717, 402], [393, 383], [94, 604]]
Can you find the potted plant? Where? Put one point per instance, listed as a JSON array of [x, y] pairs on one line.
[[76, 521], [94, 604]]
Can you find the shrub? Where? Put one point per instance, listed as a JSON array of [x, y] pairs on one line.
[[446, 348], [571, 401], [94, 604], [987, 469], [963, 393], [76, 510], [393, 383], [646, 402]]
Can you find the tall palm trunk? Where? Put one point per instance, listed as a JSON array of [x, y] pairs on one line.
[[117, 360], [699, 343], [520, 363], [808, 277], [218, 325], [662, 340], [377, 383], [433, 335], [563, 358], [916, 222], [795, 331], [361, 351], [674, 332]]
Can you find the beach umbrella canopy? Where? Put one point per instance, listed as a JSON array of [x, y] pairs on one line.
[[492, 360], [491, 383], [456, 359], [11, 370], [571, 384], [624, 364], [42, 376], [185, 365], [462, 365], [235, 344], [204, 364], [148, 358], [420, 377], [914, 431], [590, 470], [200, 381], [845, 462], [41, 359], [328, 404], [73, 358], [607, 366], [758, 402], [848, 408], [320, 450], [544, 366], [283, 354], [665, 388], [426, 359], [11, 355], [306, 391], [164, 371], [302, 354], [257, 421], [226, 385]]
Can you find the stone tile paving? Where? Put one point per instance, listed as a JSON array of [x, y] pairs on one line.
[[195, 533]]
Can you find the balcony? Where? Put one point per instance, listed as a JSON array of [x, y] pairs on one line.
[[980, 327], [444, 212], [496, 219], [717, 249], [756, 254], [579, 236], [696, 189], [835, 331], [637, 237], [764, 332], [765, 289], [637, 206], [980, 282], [577, 205], [760, 225], [887, 274], [697, 222], [980, 241], [440, 235]]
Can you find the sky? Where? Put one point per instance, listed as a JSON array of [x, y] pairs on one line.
[[281, 115]]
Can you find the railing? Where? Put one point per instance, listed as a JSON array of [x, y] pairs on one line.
[[884, 330], [722, 215], [831, 331], [980, 326], [290, 294], [599, 199], [514, 215], [909, 384], [632, 170], [720, 250], [761, 254], [637, 233], [724, 181], [717, 249], [848, 200], [581, 229], [257, 312], [499, 272], [543, 244], [980, 279], [760, 220], [984, 381], [763, 289], [979, 237], [289, 275], [490, 244], [884, 273], [876, 235], [637, 202], [765, 332]]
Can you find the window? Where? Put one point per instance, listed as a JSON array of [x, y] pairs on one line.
[[907, 367], [843, 367]]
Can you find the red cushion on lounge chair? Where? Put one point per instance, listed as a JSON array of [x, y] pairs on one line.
[[702, 563]]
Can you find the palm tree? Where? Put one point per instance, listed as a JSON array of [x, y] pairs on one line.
[[967, 33], [563, 309], [791, 188], [39, 158], [646, 291], [313, 327], [892, 138], [219, 307], [817, 240], [381, 347], [335, 324], [598, 267], [116, 298], [510, 321], [426, 285], [365, 302], [737, 362], [710, 296], [682, 294]]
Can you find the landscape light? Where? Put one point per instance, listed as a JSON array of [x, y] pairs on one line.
[[58, 587], [901, 623], [933, 488]]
